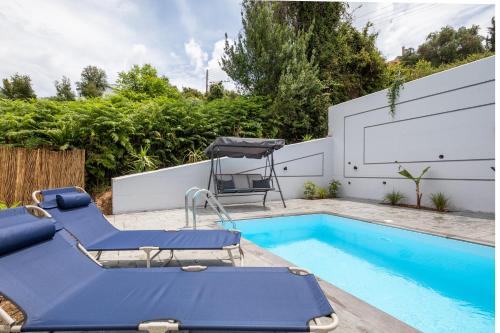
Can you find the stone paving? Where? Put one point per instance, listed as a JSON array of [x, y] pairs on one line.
[[355, 315]]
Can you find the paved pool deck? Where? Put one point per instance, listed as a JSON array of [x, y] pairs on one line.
[[355, 315]]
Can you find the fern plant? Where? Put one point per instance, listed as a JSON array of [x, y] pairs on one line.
[[440, 201], [394, 197]]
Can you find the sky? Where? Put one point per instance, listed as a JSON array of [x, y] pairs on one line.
[[181, 38]]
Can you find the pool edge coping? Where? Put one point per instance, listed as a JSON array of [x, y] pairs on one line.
[[383, 223]]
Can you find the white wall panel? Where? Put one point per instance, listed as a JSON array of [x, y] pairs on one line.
[[451, 113]]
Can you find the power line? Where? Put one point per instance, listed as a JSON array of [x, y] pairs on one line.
[[369, 13], [405, 13], [399, 13]]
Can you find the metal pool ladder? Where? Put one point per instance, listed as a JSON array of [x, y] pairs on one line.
[[210, 199]]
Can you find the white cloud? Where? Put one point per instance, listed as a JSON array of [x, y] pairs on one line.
[[214, 70], [408, 25], [49, 39], [196, 55]]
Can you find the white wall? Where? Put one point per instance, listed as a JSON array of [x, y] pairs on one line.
[[451, 113], [165, 188]]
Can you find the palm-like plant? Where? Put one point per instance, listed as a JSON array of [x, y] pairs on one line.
[[141, 161], [407, 174]]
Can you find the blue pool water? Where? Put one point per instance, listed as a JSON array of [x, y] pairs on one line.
[[431, 283]]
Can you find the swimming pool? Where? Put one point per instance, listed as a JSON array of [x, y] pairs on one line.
[[431, 283]]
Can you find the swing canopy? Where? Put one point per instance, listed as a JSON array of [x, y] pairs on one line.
[[228, 146]]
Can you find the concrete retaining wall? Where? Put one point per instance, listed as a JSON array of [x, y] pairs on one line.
[[165, 188], [445, 121]]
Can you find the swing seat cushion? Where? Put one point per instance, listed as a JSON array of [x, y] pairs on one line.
[[242, 183], [225, 185], [261, 183]]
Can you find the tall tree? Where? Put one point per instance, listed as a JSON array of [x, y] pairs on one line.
[[300, 105], [215, 91], [269, 58], [142, 82], [448, 45], [63, 90], [257, 58], [93, 82], [192, 93], [18, 87], [350, 65], [490, 39]]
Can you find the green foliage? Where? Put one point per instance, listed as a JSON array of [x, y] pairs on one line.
[[192, 93], [305, 56], [141, 160], [300, 106], [394, 91], [215, 91], [18, 87], [195, 155], [349, 63], [333, 188], [261, 51], [143, 82], [321, 193], [63, 90], [440, 201], [116, 131], [310, 190], [4, 205], [405, 173], [307, 137], [400, 72], [394, 197], [447, 45], [93, 82], [490, 39]]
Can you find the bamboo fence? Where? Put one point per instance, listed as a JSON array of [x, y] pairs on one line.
[[23, 171]]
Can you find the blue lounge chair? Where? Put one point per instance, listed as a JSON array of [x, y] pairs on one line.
[[80, 216], [59, 288]]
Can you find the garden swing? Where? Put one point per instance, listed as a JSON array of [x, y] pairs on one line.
[[243, 184]]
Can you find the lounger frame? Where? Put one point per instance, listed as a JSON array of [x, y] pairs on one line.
[[149, 249], [315, 324]]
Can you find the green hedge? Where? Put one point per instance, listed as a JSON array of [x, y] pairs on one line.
[[115, 129]]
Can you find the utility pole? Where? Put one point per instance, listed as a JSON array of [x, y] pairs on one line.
[[206, 82]]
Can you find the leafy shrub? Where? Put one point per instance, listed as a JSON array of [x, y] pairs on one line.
[[333, 188], [310, 190], [394, 197], [115, 131], [321, 193], [440, 201]]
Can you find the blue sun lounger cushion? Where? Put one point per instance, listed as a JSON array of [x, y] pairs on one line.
[[15, 235], [88, 224], [59, 288], [72, 200]]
